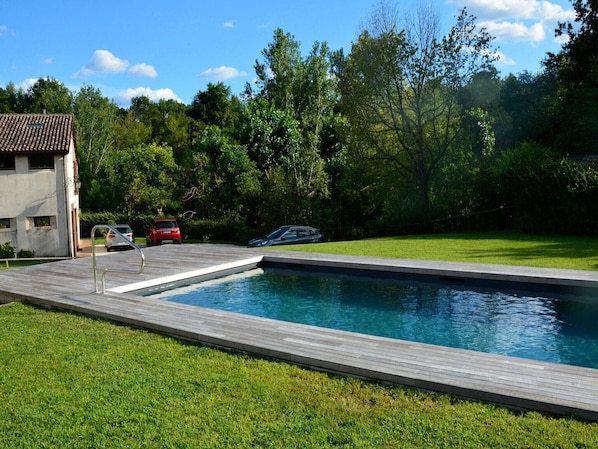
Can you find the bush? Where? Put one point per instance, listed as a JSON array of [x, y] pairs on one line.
[[212, 230], [550, 194], [138, 223], [25, 254], [7, 251]]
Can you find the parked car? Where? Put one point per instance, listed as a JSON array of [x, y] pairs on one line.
[[163, 230], [287, 235], [113, 240]]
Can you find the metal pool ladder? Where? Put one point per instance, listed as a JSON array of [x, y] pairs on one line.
[[115, 270]]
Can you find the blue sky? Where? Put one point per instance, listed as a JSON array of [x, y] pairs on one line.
[[174, 49]]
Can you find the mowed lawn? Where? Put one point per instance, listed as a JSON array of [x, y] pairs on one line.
[[580, 253], [68, 381]]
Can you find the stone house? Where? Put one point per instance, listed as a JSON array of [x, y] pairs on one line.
[[39, 184]]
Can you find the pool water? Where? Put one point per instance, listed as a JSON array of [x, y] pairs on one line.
[[530, 325]]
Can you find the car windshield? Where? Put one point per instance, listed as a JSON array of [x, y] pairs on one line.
[[165, 224], [123, 230], [277, 233]]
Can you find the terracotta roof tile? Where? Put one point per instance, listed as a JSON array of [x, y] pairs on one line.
[[36, 133]]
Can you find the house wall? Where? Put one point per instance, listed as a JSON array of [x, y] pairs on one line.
[[28, 196]]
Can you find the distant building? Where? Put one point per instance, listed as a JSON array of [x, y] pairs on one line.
[[39, 184]]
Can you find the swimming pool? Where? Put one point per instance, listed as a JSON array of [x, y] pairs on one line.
[[547, 326]]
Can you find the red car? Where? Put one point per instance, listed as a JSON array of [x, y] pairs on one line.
[[163, 230]]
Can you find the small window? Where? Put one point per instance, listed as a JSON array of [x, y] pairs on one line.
[[39, 222], [4, 223], [7, 162], [38, 162]]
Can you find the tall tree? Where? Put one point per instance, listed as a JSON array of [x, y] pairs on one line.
[[216, 106], [400, 90], [301, 92], [48, 95], [95, 117], [224, 180], [577, 69], [11, 99], [141, 179]]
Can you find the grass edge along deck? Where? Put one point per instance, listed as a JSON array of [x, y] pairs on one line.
[[513, 382]]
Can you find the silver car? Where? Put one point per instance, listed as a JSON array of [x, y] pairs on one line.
[[288, 235], [113, 240]]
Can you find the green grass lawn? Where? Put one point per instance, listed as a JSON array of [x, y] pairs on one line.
[[579, 253], [70, 381]]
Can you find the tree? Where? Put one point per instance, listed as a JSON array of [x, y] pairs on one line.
[[48, 95], [95, 117], [293, 100], [141, 179], [216, 106], [11, 99], [577, 69], [400, 91], [222, 181]]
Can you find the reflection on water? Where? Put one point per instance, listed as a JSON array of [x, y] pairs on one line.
[[539, 327]]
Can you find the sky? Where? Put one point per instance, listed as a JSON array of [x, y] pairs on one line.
[[173, 49]]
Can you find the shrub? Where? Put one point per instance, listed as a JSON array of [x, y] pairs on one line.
[[7, 251], [25, 254]]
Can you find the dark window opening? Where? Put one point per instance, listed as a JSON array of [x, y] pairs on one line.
[[36, 162], [7, 162]]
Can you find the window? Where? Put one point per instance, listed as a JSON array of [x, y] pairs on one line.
[[42, 221], [4, 223], [7, 162], [45, 161]]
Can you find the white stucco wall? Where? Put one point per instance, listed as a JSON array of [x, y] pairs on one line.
[[26, 193]]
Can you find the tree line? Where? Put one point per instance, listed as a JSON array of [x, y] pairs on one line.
[[411, 131]]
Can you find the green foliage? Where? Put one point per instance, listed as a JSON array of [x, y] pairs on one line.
[[7, 251], [142, 179], [215, 230], [191, 228], [50, 95], [222, 181], [138, 222], [25, 254], [400, 90], [576, 67], [550, 193], [216, 106]]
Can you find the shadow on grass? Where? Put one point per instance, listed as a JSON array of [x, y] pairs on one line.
[[519, 249]]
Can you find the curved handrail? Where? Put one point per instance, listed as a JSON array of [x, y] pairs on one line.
[[106, 270]]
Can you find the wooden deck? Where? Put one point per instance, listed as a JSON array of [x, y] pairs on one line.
[[513, 382]]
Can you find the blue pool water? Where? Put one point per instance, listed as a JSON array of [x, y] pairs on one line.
[[537, 326]]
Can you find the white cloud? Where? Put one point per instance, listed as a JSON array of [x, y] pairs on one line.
[[515, 31], [28, 83], [515, 9], [102, 62], [221, 73], [517, 20], [228, 24], [3, 28], [48, 61], [504, 59], [143, 69], [152, 94]]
